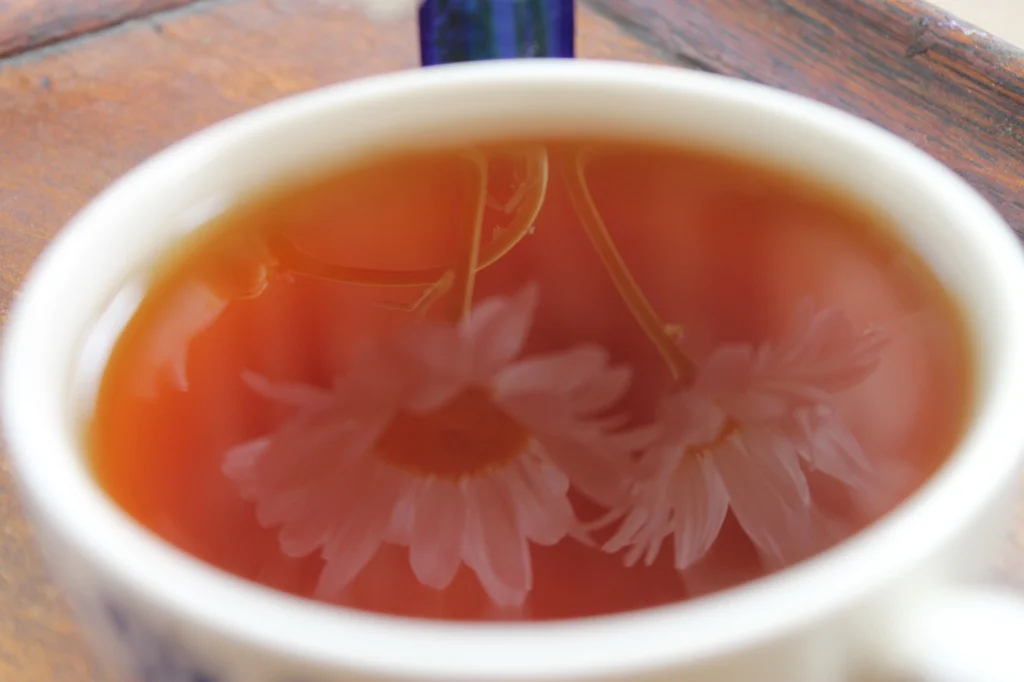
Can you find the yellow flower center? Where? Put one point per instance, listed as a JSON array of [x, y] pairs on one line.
[[729, 428], [467, 436]]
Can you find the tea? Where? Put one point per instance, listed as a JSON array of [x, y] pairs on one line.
[[540, 378]]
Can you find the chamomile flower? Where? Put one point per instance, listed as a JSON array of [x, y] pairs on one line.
[[443, 440], [739, 436]]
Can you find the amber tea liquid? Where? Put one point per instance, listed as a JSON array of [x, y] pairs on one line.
[[532, 379]]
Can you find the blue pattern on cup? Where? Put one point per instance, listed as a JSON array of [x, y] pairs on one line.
[[152, 657]]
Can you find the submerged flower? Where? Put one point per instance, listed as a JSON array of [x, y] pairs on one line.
[[439, 439], [740, 436]]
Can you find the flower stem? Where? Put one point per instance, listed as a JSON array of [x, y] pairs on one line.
[[468, 261], [660, 334], [290, 258], [534, 190]]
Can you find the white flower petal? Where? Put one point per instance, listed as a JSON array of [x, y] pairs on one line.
[[831, 448], [435, 545], [561, 372], [649, 539], [434, 363], [304, 448], [590, 469], [688, 418], [281, 504], [359, 534], [240, 464], [647, 515], [795, 341], [496, 330], [294, 505], [781, 457], [493, 544], [539, 492], [602, 392], [309, 515], [769, 497], [635, 439], [732, 379], [403, 517], [823, 349], [287, 393], [634, 520], [727, 372], [700, 505]]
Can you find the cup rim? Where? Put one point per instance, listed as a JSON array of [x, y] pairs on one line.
[[61, 494]]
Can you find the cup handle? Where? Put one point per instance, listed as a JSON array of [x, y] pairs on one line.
[[954, 634]]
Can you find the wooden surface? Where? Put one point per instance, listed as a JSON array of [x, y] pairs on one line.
[[94, 103], [27, 24], [949, 88]]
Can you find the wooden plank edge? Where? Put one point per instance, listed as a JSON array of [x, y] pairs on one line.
[[31, 24]]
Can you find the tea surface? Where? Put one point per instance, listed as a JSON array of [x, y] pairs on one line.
[[534, 379]]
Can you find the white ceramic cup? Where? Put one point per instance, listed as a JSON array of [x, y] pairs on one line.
[[885, 603]]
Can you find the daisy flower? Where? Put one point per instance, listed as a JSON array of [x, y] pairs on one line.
[[441, 439], [740, 436]]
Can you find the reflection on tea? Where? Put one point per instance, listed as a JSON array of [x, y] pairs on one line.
[[530, 379]]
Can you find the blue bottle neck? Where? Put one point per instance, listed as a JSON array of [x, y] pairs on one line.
[[471, 30]]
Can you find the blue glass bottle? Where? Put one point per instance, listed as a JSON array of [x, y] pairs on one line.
[[470, 30]]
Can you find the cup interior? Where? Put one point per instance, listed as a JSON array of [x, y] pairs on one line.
[[125, 231]]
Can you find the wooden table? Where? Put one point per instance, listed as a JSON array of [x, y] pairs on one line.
[[88, 88]]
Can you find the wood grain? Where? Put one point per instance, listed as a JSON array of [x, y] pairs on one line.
[[76, 115], [26, 24], [950, 88]]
